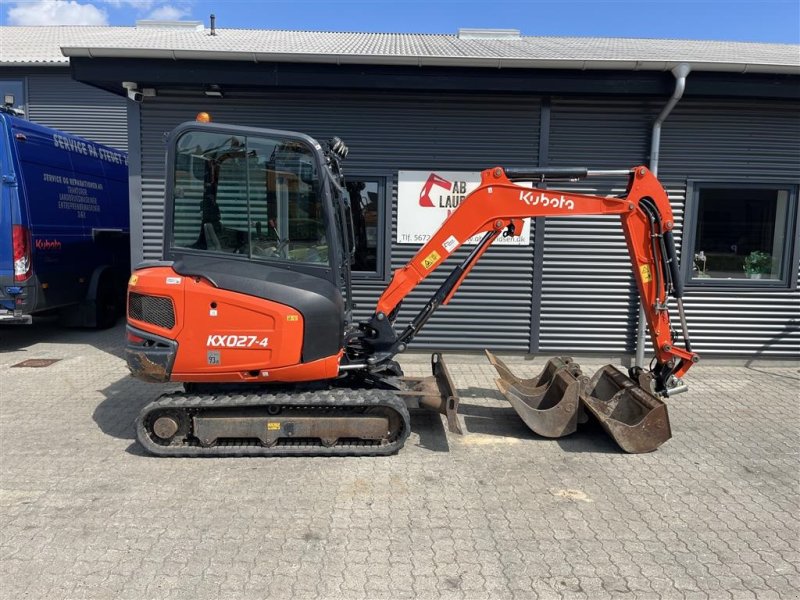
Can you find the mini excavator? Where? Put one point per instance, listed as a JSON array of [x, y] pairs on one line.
[[251, 307]]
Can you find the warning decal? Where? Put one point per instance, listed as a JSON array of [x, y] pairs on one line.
[[431, 259]]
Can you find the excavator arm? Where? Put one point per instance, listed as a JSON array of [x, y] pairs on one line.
[[498, 206]]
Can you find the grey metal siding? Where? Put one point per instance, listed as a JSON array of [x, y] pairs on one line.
[[730, 141], [588, 294], [56, 100], [387, 132]]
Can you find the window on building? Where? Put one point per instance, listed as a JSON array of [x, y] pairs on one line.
[[367, 195], [12, 93], [740, 234]]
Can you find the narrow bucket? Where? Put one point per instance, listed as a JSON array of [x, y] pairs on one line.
[[634, 417], [548, 404]]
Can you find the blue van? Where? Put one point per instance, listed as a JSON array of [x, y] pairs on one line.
[[64, 226]]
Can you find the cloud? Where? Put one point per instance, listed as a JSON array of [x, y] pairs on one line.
[[140, 4], [168, 12], [56, 12]]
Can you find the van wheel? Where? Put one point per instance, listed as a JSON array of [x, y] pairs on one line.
[[107, 304]]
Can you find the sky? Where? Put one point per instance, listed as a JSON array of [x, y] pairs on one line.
[[737, 20]]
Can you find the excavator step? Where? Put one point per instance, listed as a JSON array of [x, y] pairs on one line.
[[336, 422], [554, 403]]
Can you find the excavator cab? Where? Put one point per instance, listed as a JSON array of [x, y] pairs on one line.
[[254, 281]]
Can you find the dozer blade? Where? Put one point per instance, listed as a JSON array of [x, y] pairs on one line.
[[437, 392], [632, 415], [548, 404]]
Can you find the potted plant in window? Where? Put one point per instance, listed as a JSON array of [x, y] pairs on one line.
[[700, 265], [757, 264]]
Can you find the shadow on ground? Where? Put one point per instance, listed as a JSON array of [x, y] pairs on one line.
[[503, 421], [47, 330], [124, 399], [431, 430]]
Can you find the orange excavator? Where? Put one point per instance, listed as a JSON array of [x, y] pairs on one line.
[[251, 307]]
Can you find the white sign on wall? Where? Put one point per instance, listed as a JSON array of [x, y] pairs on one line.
[[426, 198]]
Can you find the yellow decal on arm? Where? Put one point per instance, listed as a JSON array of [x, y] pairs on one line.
[[292, 318], [647, 276], [272, 426], [431, 259], [132, 281]]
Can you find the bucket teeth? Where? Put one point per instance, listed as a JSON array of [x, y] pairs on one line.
[[555, 402]]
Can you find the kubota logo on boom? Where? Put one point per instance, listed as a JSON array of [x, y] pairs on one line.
[[535, 199]]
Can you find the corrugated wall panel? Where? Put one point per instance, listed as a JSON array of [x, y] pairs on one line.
[[588, 293], [56, 100], [729, 141], [588, 296], [387, 132]]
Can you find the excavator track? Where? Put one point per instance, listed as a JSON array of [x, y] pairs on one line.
[[336, 422]]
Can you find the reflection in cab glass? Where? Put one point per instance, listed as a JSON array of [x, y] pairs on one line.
[[252, 196]]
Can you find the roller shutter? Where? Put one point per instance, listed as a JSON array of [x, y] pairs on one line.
[[588, 292]]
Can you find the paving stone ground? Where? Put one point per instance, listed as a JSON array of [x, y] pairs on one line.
[[498, 513]]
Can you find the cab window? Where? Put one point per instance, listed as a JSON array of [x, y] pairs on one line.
[[253, 196]]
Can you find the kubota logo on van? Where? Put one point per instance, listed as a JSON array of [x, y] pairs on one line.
[[236, 341], [47, 244], [533, 199]]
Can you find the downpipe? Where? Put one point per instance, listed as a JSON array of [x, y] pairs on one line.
[[680, 72]]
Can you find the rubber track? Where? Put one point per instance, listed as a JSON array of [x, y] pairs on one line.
[[323, 399]]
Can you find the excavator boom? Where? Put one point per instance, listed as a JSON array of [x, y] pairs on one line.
[[628, 407]]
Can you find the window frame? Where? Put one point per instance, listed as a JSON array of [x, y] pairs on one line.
[[383, 230], [23, 82], [171, 252], [791, 249]]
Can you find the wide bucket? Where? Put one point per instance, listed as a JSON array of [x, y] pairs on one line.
[[634, 417], [549, 404]]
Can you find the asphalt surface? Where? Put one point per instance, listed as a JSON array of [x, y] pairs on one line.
[[497, 513]]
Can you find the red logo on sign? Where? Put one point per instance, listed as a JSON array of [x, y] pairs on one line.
[[425, 193]]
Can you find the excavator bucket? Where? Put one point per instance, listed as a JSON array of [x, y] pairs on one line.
[[548, 404], [627, 410], [553, 403]]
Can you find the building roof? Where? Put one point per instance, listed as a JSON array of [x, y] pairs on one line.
[[52, 46]]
